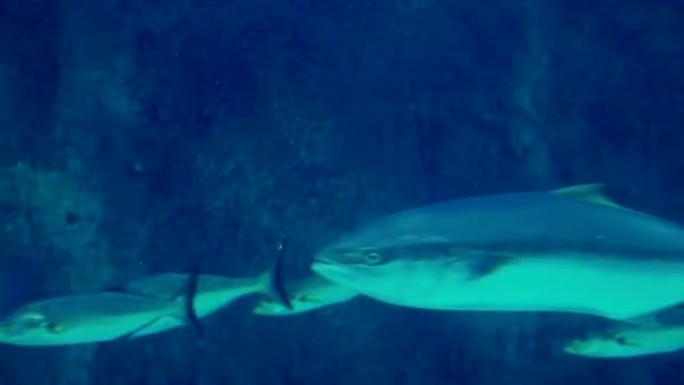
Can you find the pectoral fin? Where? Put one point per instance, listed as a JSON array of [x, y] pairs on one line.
[[481, 265], [626, 342], [139, 331], [588, 193]]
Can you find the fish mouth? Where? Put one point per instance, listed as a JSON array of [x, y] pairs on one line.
[[331, 271], [574, 347], [325, 260]]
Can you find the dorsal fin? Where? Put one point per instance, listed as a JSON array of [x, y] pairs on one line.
[[589, 193], [189, 295], [277, 281]]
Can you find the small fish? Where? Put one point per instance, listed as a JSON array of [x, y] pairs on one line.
[[305, 295], [95, 317], [568, 250], [629, 342]]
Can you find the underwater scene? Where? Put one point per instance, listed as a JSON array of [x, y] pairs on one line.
[[404, 192]]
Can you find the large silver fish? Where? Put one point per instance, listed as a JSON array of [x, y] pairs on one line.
[[569, 250]]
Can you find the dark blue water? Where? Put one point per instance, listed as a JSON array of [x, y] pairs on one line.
[[139, 137]]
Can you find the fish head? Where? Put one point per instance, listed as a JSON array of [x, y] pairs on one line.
[[30, 327], [385, 266], [610, 345], [352, 265]]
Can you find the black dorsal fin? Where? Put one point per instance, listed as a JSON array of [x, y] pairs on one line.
[[189, 298], [277, 284]]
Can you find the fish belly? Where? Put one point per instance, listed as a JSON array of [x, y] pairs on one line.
[[613, 289], [670, 342], [100, 331]]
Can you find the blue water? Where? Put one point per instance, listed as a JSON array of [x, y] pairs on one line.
[[141, 137]]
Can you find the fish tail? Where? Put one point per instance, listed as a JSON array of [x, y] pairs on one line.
[[274, 279], [189, 300]]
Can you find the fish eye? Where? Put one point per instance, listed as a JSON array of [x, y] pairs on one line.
[[308, 298], [303, 298], [621, 340], [53, 327], [372, 257]]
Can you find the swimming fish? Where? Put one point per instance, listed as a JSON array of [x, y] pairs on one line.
[[568, 250], [143, 307], [308, 294], [213, 293], [95, 317], [629, 342]]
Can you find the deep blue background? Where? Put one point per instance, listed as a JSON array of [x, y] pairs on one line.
[[140, 136]]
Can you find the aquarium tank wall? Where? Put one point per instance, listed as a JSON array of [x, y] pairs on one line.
[[170, 171]]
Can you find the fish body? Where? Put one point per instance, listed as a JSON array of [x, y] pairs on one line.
[[87, 318], [629, 342], [306, 295], [213, 293], [569, 250], [143, 307]]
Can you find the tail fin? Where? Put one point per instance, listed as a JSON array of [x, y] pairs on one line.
[[189, 300], [276, 279]]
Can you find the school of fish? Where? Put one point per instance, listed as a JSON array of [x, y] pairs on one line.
[[570, 250]]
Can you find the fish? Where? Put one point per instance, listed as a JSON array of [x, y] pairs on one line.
[[307, 294], [570, 250], [214, 293], [95, 317], [628, 342], [142, 307]]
